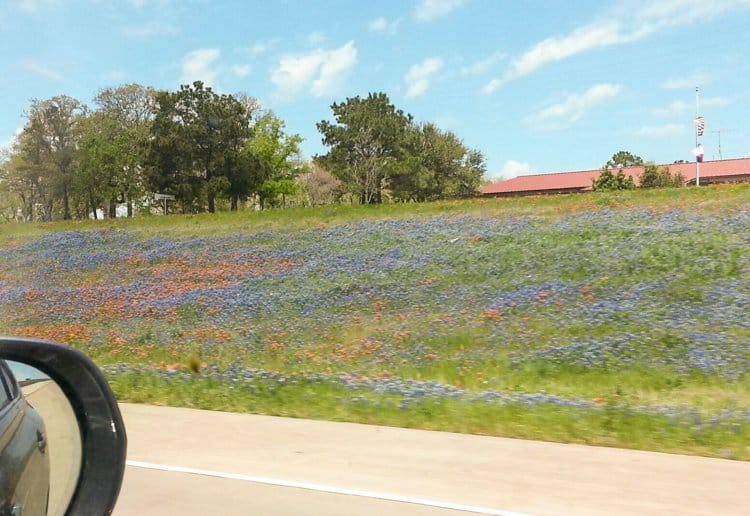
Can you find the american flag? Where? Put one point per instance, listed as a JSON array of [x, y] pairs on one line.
[[699, 125]]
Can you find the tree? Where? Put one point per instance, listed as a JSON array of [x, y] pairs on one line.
[[196, 141], [47, 148], [17, 186], [435, 164], [623, 159], [660, 177], [99, 162], [276, 159], [320, 186], [128, 112], [364, 141], [608, 181]]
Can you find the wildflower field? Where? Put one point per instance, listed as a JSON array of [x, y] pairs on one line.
[[610, 319]]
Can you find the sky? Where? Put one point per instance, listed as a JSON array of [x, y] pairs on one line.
[[537, 86]]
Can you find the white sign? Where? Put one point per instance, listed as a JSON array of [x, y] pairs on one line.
[[163, 197]]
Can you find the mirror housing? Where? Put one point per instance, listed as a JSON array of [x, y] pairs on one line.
[[103, 439]]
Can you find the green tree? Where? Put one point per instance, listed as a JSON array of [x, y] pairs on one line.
[[660, 177], [609, 181], [99, 162], [274, 159], [435, 164], [623, 159], [47, 148], [364, 141], [196, 140], [21, 185], [127, 111]]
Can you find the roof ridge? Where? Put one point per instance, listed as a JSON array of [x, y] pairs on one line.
[[624, 168]]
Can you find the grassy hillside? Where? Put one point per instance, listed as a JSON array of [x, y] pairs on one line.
[[614, 319]]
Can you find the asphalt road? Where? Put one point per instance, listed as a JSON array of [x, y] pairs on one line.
[[193, 462]]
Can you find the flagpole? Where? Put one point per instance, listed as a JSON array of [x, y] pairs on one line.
[[697, 161]]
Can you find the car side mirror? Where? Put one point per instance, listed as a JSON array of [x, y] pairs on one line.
[[91, 411]]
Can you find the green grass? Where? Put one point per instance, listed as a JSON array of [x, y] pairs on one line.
[[614, 425], [706, 199]]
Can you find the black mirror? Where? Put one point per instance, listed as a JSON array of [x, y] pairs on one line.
[[62, 439], [48, 474]]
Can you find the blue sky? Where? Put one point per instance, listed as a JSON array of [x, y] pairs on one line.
[[538, 86]]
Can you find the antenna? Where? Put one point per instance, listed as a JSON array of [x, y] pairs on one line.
[[718, 132]]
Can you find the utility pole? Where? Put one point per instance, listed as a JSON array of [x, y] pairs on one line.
[[718, 132]]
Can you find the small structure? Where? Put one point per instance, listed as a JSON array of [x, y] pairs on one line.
[[719, 171], [165, 198]]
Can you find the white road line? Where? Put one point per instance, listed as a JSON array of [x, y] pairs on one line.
[[325, 489]]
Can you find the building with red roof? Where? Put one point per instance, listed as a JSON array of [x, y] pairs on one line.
[[720, 171]]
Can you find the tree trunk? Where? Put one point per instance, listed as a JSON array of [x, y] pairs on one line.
[[66, 204], [211, 203], [113, 208], [234, 202]]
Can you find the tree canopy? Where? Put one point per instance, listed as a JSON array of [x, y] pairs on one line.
[[41, 169], [196, 139], [623, 159], [376, 147]]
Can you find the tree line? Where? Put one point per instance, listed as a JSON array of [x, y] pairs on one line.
[[216, 151]]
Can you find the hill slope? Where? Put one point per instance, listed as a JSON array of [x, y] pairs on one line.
[[614, 319]]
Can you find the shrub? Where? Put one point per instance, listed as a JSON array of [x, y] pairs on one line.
[[607, 181]]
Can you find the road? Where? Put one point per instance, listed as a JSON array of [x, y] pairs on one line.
[[247, 464]]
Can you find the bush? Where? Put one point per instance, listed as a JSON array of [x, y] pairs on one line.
[[655, 177], [607, 181]]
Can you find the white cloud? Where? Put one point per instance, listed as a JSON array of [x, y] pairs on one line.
[[680, 108], [35, 6], [573, 106], [685, 82], [557, 49], [513, 168], [241, 70], [41, 70], [629, 21], [200, 65], [427, 10], [139, 4], [492, 86], [675, 108], [482, 66], [150, 30], [663, 131], [383, 25], [319, 71], [419, 76], [715, 101], [316, 38], [262, 47]]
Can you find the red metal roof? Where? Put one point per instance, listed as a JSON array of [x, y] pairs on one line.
[[581, 181]]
